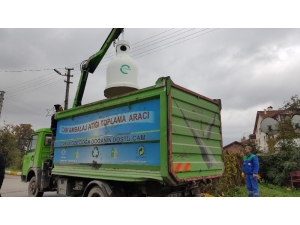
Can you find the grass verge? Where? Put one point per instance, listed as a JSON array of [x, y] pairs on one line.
[[265, 190], [12, 169]]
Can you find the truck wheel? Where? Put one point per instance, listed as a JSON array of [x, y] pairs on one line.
[[97, 192], [33, 189]]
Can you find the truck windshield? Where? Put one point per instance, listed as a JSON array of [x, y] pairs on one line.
[[32, 144]]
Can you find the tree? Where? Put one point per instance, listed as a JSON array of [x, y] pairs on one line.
[[23, 131], [9, 135]]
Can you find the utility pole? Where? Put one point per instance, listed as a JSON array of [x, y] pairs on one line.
[[1, 100], [68, 75], [67, 87]]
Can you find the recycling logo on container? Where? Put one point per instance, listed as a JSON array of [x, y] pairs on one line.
[[125, 68], [141, 152], [95, 152]]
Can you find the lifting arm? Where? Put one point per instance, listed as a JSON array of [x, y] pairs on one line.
[[90, 65]]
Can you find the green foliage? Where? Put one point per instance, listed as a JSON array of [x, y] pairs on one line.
[[264, 191], [231, 177], [275, 167], [9, 135]]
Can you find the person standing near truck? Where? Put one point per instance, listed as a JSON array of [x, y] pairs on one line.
[[250, 172], [2, 170], [58, 108]]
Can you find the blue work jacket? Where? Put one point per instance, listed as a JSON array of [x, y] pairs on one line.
[[251, 164]]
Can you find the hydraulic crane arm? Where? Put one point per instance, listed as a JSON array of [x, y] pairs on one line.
[[90, 65]]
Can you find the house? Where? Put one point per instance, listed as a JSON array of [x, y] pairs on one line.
[[233, 147], [237, 146], [260, 137]]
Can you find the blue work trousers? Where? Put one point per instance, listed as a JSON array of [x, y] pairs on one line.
[[252, 185]]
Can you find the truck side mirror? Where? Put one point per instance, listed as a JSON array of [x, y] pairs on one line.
[[20, 144]]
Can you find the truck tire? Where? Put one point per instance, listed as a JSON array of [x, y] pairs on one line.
[[32, 188], [97, 192]]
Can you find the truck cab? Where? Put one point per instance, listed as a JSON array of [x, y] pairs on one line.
[[37, 153]]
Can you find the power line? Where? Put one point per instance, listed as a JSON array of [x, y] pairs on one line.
[[160, 42], [46, 86], [178, 43], [25, 103], [36, 83], [112, 52], [104, 66], [163, 37], [26, 109], [19, 71], [153, 36], [8, 87], [171, 42], [38, 78], [23, 108], [108, 58]]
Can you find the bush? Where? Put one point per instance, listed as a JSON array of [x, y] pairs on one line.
[[233, 162], [275, 167]]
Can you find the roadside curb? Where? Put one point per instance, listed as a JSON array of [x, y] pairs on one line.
[[13, 173]]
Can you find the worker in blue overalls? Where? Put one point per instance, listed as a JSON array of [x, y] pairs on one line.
[[250, 171]]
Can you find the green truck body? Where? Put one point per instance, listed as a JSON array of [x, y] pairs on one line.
[[156, 141]]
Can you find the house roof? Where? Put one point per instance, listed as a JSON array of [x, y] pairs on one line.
[[271, 114], [235, 142]]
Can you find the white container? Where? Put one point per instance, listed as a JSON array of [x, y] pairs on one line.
[[122, 72]]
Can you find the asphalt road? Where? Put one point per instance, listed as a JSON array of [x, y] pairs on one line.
[[13, 187]]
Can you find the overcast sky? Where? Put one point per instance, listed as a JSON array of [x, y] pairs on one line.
[[248, 69]]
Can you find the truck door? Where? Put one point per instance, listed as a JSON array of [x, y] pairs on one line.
[[29, 156]]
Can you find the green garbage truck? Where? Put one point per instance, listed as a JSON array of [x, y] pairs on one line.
[[162, 140]]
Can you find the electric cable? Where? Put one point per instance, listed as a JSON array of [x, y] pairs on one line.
[[19, 71], [160, 42], [104, 66]]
